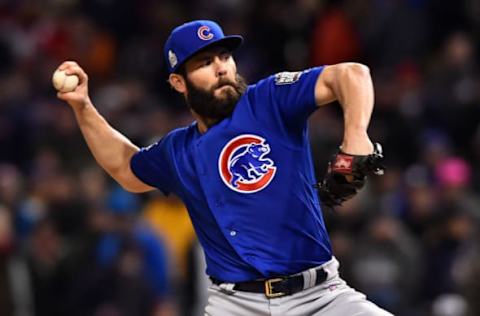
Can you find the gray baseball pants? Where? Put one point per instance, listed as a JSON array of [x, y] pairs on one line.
[[330, 298]]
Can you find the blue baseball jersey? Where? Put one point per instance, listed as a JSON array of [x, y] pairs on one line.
[[248, 182]]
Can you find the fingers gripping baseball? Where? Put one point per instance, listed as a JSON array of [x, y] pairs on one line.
[[347, 174], [75, 94]]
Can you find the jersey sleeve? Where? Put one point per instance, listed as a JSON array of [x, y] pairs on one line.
[[294, 92], [152, 166], [286, 100]]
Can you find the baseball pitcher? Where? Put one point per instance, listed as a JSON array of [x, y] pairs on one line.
[[244, 170]]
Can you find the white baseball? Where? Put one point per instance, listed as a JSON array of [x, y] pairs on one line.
[[63, 82]]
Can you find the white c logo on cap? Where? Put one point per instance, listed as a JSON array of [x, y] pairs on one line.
[[204, 33]]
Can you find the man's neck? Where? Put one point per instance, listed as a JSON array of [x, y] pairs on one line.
[[203, 123]]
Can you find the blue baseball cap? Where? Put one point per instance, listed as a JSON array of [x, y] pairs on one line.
[[188, 39]]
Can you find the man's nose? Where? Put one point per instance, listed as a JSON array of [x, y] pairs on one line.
[[221, 69]]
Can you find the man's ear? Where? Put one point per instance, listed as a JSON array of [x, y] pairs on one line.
[[177, 82]]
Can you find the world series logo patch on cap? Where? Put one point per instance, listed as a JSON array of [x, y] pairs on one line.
[[172, 58], [243, 165]]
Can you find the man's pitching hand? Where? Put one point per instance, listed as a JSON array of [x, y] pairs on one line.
[[77, 98]]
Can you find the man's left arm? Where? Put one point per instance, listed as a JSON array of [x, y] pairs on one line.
[[351, 85]]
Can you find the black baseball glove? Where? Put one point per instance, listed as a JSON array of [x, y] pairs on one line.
[[346, 175]]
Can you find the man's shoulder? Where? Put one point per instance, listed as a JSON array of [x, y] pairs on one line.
[[260, 85], [181, 134], [175, 137], [260, 82], [283, 78]]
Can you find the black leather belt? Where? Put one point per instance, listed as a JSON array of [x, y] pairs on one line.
[[278, 287]]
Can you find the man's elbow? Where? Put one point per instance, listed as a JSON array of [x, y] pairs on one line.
[[129, 182], [131, 188], [355, 70], [136, 188]]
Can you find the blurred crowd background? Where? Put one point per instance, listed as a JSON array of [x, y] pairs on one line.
[[73, 243]]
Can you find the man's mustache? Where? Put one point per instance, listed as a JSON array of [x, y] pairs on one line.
[[225, 82]]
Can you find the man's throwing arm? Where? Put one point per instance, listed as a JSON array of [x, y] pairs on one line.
[[112, 150]]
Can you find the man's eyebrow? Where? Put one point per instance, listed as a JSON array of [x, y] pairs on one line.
[[203, 56]]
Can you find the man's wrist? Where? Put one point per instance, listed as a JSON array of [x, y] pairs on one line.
[[356, 143]]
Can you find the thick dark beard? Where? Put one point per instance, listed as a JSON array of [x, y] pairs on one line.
[[211, 108]]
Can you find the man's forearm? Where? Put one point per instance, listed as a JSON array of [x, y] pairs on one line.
[[354, 91], [110, 148]]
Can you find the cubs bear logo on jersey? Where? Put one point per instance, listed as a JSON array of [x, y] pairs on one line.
[[243, 165]]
